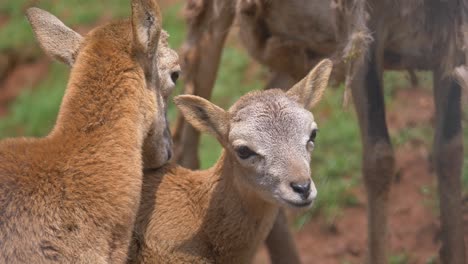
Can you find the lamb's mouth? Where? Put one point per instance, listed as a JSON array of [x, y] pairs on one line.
[[301, 204]]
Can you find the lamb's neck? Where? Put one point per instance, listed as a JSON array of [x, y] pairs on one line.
[[242, 217], [236, 190], [99, 105]]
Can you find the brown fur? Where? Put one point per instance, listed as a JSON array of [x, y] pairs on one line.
[[221, 215], [202, 228], [72, 196]]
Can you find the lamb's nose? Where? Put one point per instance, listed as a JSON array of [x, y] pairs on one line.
[[303, 189]]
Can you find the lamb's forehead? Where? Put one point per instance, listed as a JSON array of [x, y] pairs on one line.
[[269, 109], [163, 39]]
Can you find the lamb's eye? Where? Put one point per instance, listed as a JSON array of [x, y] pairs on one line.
[[244, 152], [313, 135]]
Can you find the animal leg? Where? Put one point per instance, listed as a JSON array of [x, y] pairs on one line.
[[208, 25], [448, 159], [280, 80], [280, 242], [378, 156]]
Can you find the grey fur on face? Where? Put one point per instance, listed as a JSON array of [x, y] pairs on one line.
[[278, 130], [268, 136]]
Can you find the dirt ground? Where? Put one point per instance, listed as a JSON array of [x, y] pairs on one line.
[[414, 225]]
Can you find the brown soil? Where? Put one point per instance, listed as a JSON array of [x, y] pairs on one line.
[[413, 223]]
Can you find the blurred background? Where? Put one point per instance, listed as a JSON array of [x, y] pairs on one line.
[[334, 231]]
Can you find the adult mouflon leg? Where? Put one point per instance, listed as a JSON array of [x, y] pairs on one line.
[[209, 22], [448, 160], [378, 156], [280, 242]]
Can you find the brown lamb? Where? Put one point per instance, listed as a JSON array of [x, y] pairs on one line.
[[222, 215], [72, 196]]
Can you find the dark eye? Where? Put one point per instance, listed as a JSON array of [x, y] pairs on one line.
[[313, 135], [175, 76], [244, 152]]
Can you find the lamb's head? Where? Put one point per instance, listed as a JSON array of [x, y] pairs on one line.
[[134, 52], [269, 135], [157, 148]]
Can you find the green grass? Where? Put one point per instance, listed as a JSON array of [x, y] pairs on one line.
[[395, 80], [173, 23], [422, 133], [17, 32], [432, 260], [401, 258]]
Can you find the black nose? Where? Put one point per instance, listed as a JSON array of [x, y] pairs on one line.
[[175, 76], [303, 189]]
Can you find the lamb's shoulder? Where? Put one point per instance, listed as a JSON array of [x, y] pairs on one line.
[[171, 196], [170, 219]]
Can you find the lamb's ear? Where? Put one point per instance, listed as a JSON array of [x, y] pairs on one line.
[[204, 115], [310, 90], [146, 28], [57, 40]]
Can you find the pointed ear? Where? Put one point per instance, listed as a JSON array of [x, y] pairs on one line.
[[310, 90], [461, 75], [57, 40], [204, 115], [146, 28]]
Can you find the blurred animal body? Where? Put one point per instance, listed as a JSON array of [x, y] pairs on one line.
[[221, 215], [72, 196], [416, 35], [364, 38]]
